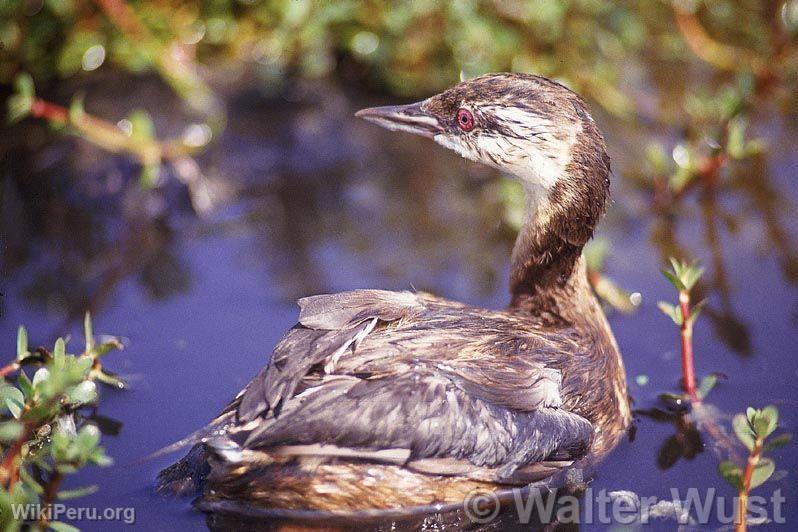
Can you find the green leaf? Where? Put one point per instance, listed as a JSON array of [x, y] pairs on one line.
[[10, 431], [771, 415], [149, 175], [83, 364], [24, 85], [764, 421], [657, 158], [59, 526], [142, 126], [30, 482], [595, 252], [731, 473], [106, 347], [77, 492], [66, 468], [735, 144], [13, 399], [707, 383], [750, 412], [87, 332], [673, 312], [82, 394], [99, 458], [696, 310], [763, 470], [41, 375], [743, 431], [778, 441], [111, 380], [22, 343], [25, 384], [675, 281], [59, 353], [76, 109], [88, 437], [21, 102], [691, 276]]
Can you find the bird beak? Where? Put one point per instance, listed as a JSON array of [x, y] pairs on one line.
[[411, 118]]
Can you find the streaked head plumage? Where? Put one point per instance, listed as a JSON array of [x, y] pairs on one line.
[[529, 126]]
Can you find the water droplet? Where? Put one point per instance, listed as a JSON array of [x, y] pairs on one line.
[[197, 135], [681, 155], [93, 57], [126, 126], [365, 43]]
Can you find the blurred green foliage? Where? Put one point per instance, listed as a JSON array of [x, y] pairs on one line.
[[686, 67], [412, 47], [43, 434]]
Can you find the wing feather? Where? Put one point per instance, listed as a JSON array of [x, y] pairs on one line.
[[371, 370]]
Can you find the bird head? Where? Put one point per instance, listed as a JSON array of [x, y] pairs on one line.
[[529, 126]]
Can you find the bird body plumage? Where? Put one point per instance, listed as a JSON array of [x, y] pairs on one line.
[[381, 399]]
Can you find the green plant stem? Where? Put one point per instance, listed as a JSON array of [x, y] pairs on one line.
[[107, 135], [688, 366], [750, 466]]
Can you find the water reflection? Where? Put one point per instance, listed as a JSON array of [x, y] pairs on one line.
[[685, 443]]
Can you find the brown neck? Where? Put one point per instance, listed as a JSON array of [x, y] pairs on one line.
[[548, 278]]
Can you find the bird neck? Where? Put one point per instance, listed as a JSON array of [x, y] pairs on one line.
[[548, 277]]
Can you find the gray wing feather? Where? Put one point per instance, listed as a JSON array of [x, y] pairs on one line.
[[326, 323], [336, 311], [437, 401], [428, 414]]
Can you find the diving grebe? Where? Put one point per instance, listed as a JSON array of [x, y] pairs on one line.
[[380, 399]]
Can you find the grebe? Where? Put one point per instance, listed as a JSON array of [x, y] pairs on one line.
[[384, 400]]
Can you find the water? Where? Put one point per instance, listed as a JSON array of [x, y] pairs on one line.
[[317, 201]]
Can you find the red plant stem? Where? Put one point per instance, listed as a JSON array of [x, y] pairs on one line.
[[742, 507], [9, 368], [50, 111], [688, 367], [50, 494], [107, 135], [124, 18], [9, 469]]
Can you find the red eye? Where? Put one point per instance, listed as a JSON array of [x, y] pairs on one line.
[[465, 119]]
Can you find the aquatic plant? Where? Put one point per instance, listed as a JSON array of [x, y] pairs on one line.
[[683, 276], [715, 133], [753, 429], [133, 135], [43, 433]]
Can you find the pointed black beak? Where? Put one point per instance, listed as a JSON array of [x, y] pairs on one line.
[[411, 118]]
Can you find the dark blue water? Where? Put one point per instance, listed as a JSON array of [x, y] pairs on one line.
[[314, 201]]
